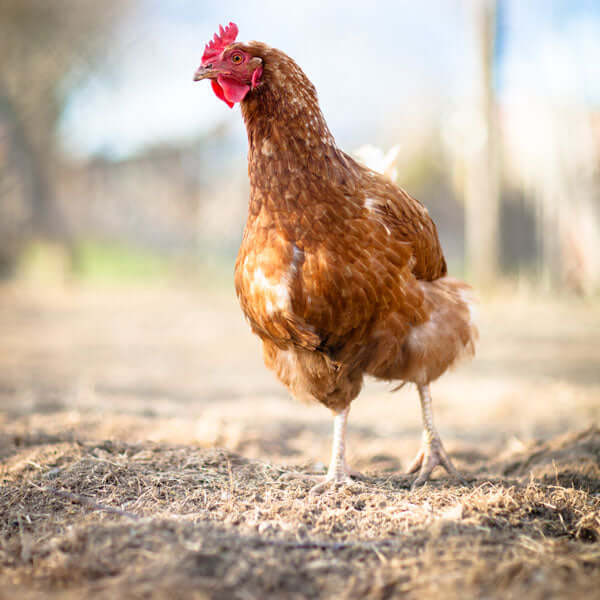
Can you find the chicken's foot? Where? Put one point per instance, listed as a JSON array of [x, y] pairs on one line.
[[432, 452]]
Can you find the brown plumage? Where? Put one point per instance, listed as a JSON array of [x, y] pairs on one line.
[[340, 272]]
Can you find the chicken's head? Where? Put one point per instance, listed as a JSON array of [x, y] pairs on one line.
[[232, 70]]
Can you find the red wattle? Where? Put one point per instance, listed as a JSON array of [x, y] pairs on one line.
[[218, 90], [232, 90]]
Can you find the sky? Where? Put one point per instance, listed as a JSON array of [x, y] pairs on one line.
[[373, 63]]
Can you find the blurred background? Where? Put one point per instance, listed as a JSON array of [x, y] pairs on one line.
[[123, 193], [489, 112]]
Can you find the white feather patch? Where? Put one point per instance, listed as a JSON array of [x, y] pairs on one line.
[[276, 293]]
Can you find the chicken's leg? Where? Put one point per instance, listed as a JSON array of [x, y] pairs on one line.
[[338, 471], [432, 452]]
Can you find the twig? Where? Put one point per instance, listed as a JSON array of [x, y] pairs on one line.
[[89, 503]]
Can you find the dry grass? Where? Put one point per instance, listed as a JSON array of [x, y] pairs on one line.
[[115, 483], [148, 519]]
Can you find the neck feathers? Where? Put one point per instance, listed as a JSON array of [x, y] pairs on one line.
[[283, 115], [292, 155]]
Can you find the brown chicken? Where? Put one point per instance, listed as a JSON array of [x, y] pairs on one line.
[[340, 272]]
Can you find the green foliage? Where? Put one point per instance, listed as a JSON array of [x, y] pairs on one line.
[[102, 262]]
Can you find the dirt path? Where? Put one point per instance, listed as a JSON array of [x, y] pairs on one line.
[[142, 445]]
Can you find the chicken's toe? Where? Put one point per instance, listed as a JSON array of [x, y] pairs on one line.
[[322, 482], [329, 483], [415, 465], [430, 456]]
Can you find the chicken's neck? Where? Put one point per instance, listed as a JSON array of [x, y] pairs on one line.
[[282, 114], [288, 137]]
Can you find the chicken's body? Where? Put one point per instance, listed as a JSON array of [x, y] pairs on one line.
[[340, 272]]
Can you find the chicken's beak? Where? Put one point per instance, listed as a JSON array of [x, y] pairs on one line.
[[204, 72]]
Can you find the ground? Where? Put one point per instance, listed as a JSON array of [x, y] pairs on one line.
[[143, 445]]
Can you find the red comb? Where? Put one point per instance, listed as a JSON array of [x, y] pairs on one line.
[[221, 40]]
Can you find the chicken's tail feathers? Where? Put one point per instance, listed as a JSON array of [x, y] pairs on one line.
[[447, 336]]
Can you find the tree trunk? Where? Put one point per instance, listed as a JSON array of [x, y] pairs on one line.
[[482, 193]]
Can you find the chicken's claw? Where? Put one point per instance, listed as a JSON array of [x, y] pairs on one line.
[[431, 455]]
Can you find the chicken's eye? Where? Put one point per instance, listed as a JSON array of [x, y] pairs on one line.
[[236, 59]]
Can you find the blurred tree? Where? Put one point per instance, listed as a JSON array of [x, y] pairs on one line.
[[43, 47], [482, 183]]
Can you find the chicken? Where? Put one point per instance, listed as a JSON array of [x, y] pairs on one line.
[[340, 272]]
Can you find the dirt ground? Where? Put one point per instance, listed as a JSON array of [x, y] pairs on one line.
[[142, 448]]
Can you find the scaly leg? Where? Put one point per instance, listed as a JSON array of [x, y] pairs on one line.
[[338, 471], [432, 452]]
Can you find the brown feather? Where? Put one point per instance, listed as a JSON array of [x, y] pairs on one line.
[[340, 272]]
